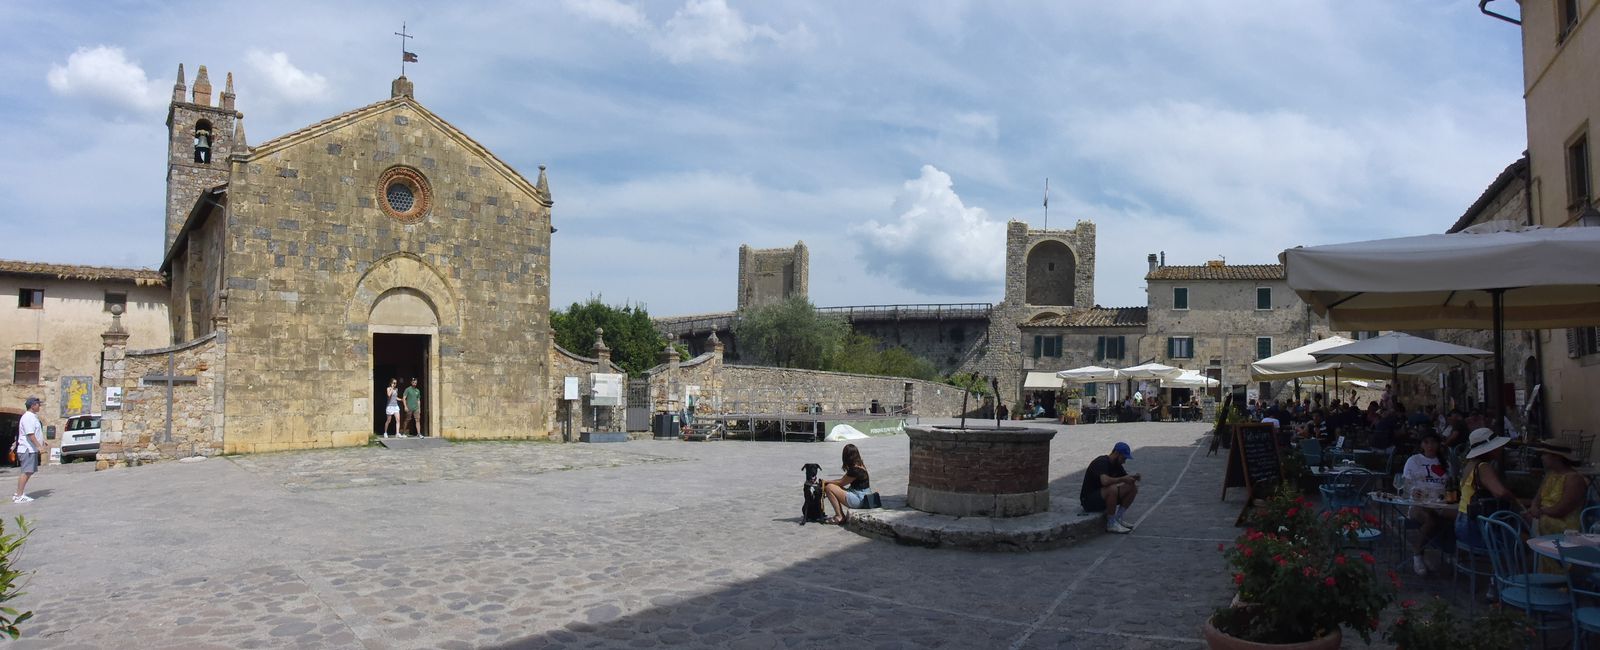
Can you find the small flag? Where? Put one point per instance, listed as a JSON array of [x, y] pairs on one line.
[[408, 57], [1046, 192]]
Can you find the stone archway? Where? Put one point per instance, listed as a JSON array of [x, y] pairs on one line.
[[402, 308], [1052, 274]]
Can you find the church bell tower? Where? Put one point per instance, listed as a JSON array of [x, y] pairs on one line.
[[200, 137]]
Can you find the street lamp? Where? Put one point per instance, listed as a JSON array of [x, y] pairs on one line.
[[1589, 216]]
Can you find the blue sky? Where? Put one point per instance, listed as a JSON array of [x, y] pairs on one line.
[[894, 138]]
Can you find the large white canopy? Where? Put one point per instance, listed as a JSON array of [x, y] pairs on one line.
[[1151, 371], [1399, 350], [1089, 374], [1299, 362], [1190, 379], [1041, 381], [1549, 277]]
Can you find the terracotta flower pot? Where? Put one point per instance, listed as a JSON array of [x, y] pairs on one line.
[[1218, 640]]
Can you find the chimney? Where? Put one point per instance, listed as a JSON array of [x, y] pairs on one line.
[[1152, 260], [401, 88], [1163, 258]]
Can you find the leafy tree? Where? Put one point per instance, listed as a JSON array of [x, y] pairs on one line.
[[971, 382], [861, 354], [634, 341], [789, 334]]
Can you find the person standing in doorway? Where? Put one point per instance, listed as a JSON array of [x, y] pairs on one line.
[[414, 406], [28, 446], [391, 412]]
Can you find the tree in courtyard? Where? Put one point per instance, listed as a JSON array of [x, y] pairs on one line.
[[863, 355], [10, 551], [789, 334], [634, 341]]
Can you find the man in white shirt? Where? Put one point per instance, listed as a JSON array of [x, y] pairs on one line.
[[28, 445]]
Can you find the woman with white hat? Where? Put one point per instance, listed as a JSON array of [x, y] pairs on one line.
[[1480, 481], [1562, 492]]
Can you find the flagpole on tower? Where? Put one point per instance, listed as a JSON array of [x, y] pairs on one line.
[[1047, 203]]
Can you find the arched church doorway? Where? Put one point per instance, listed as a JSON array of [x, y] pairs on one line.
[[404, 331]]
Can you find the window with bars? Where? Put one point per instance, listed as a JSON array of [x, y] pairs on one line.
[[30, 299], [1263, 297], [1046, 346], [1583, 341], [1111, 347], [25, 367], [1180, 297], [1180, 347], [1263, 347]]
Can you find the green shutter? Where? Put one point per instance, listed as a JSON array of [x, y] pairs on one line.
[[1038, 346], [1100, 349], [1172, 347], [1180, 298], [1058, 346]]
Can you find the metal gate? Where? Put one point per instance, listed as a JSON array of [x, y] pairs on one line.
[[638, 412]]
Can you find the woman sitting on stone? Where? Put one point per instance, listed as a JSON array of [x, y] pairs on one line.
[[849, 490]]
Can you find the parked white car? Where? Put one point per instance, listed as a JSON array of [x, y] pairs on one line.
[[82, 438]]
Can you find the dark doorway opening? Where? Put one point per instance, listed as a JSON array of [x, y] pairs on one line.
[[403, 357]]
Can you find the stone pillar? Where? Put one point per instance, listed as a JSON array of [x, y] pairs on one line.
[[669, 362], [113, 365], [712, 391], [601, 352]]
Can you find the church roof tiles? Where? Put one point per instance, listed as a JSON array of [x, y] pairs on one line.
[[142, 277]]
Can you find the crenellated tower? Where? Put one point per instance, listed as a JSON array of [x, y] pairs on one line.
[[200, 138]]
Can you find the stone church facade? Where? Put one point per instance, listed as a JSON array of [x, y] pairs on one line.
[[308, 270]]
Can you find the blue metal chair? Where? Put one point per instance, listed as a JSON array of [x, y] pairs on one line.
[[1311, 450], [1585, 603], [1589, 519], [1346, 489], [1513, 573]]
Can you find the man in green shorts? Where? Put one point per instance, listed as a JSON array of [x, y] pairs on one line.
[[414, 406]]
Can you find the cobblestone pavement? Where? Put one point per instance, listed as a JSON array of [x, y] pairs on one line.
[[640, 544]]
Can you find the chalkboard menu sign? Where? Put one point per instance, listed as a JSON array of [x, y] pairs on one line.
[[1253, 461]]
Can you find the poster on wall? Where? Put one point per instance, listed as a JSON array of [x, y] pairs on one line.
[[607, 389], [570, 389], [77, 396], [114, 397]]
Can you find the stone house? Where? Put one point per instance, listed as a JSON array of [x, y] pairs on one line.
[[1113, 337], [1219, 318], [1560, 45], [51, 337], [308, 270]]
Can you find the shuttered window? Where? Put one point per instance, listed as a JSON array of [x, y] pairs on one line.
[[1180, 347], [25, 368], [1110, 347], [1046, 346], [1263, 297], [1583, 341], [1263, 347], [1180, 297]]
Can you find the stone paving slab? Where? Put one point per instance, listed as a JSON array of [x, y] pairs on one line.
[[647, 544]]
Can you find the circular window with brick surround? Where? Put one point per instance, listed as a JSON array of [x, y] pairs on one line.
[[404, 194]]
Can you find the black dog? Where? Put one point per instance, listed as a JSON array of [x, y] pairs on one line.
[[812, 508]]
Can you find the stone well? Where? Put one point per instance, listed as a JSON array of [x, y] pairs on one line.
[[982, 472]]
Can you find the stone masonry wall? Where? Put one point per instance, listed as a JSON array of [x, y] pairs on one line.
[[563, 364], [136, 433]]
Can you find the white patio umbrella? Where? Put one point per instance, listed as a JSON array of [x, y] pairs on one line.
[[1531, 279], [1398, 350], [1089, 375], [1151, 370], [1190, 379], [1296, 363]]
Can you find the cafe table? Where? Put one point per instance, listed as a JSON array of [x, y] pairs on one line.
[[1394, 510], [1580, 549]]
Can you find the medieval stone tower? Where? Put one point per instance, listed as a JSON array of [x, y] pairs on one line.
[[200, 138], [769, 275], [1048, 269]]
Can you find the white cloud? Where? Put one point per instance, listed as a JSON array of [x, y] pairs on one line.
[[610, 12], [288, 81], [699, 30], [103, 74], [936, 244]]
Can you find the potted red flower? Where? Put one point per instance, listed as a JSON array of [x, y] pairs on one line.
[[1297, 587]]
